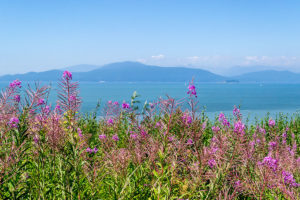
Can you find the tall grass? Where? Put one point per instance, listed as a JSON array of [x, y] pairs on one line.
[[159, 151]]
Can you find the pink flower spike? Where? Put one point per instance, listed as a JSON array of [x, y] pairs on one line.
[[115, 137], [134, 136], [95, 150], [14, 84], [189, 142], [67, 75], [41, 102], [13, 122], [125, 105], [110, 121], [102, 137], [212, 163], [192, 90], [79, 132], [17, 98], [271, 122]]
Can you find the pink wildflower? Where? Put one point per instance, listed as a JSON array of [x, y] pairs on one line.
[[110, 121], [236, 112], [41, 102], [223, 119], [270, 162], [17, 98], [239, 128], [237, 183], [89, 150], [144, 133], [192, 90], [57, 107], [186, 118], [13, 122], [72, 98], [215, 129], [212, 163], [115, 137], [46, 110], [272, 145], [14, 84], [102, 137], [262, 130], [36, 139], [134, 135], [67, 75], [79, 132], [171, 138], [125, 105], [204, 125], [190, 142], [289, 179], [271, 122], [95, 150]]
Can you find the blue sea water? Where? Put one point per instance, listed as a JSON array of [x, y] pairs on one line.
[[255, 100]]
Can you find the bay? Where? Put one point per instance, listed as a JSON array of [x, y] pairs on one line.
[[255, 100]]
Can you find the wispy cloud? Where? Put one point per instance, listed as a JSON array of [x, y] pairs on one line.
[[158, 57], [271, 60]]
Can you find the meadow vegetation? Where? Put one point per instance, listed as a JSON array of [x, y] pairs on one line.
[[160, 151]]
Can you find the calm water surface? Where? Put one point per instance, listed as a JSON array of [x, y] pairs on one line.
[[254, 99]]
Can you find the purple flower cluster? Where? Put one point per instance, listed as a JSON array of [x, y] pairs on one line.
[[192, 90], [17, 98], [212, 163], [72, 98], [272, 145], [239, 128], [271, 122], [13, 122], [144, 133], [270, 162], [46, 110], [215, 129], [41, 102], [94, 150], [190, 142], [110, 121], [223, 119], [133, 135], [36, 139], [115, 137], [67, 75], [186, 118], [79, 132], [102, 137], [289, 179], [237, 183], [262, 130], [236, 112], [125, 105], [15, 84], [171, 138]]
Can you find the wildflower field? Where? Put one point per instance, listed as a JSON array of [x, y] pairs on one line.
[[160, 150]]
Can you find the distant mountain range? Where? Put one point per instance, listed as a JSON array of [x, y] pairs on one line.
[[138, 72]]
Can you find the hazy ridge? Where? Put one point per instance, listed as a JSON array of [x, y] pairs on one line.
[[138, 72]]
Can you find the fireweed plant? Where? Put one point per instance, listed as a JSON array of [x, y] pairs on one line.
[[160, 151]]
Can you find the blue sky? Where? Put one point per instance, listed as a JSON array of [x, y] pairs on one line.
[[42, 35]]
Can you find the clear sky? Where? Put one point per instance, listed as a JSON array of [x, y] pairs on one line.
[[47, 34]]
